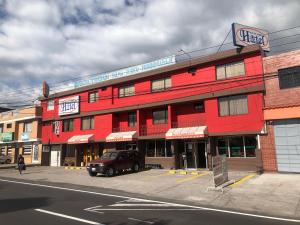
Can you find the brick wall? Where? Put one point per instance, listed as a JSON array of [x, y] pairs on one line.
[[267, 143], [274, 96]]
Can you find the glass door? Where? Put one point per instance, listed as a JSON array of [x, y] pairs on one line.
[[190, 151]]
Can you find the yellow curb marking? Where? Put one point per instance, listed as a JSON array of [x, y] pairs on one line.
[[191, 178], [172, 171], [183, 172], [195, 173], [242, 180]]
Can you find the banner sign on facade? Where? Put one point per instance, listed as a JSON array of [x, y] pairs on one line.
[[170, 60], [56, 127], [220, 170], [6, 136], [244, 36], [68, 106]]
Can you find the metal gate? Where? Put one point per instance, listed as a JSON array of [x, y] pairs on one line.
[[287, 141]]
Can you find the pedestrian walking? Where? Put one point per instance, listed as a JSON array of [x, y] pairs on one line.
[[21, 163]]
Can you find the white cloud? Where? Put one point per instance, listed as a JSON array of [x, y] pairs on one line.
[[57, 40]]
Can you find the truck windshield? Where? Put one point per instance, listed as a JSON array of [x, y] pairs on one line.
[[109, 155]]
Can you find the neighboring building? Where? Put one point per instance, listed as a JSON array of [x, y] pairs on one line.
[[202, 107], [20, 133], [281, 145]]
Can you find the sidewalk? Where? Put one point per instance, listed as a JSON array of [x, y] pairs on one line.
[[268, 194], [13, 165]]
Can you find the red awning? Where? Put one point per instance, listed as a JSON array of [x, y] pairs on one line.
[[187, 132], [122, 136], [78, 139]]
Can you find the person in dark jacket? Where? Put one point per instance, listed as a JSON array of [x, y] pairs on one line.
[[21, 163]]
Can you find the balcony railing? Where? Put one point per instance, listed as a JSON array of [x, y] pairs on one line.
[[182, 124], [153, 129], [123, 129]]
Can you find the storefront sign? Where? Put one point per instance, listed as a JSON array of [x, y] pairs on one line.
[[68, 106], [220, 170], [25, 136], [244, 36], [6, 136], [170, 60]]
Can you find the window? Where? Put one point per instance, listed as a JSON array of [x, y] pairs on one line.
[[160, 116], [27, 127], [159, 148], [132, 119], [1, 128], [67, 125], [27, 149], [93, 96], [239, 146], [199, 106], [230, 70], [50, 105], [233, 105], [87, 123], [3, 150], [8, 126], [161, 84], [289, 77], [126, 91]]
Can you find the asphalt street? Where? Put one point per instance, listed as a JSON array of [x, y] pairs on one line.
[[23, 202]]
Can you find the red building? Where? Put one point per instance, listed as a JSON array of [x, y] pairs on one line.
[[202, 107]]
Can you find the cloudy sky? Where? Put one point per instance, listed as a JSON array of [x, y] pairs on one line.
[[61, 40]]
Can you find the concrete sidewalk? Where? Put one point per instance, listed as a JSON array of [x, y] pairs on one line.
[[271, 194], [13, 165]]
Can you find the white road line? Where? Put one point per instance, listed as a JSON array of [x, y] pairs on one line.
[[143, 221], [179, 205], [157, 205], [67, 217]]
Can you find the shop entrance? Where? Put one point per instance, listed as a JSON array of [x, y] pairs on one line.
[[88, 152], [195, 154]]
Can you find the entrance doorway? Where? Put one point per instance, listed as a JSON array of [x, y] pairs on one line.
[[195, 154]]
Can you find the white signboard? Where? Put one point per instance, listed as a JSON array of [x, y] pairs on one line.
[[244, 35], [170, 60], [68, 106], [56, 127]]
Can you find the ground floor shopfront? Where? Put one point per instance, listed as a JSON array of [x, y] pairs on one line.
[[243, 152], [31, 151]]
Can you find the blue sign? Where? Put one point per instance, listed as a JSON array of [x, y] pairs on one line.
[[170, 60], [244, 35]]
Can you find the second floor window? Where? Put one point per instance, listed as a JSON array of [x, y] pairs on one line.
[[230, 70], [50, 105], [93, 96], [161, 84], [27, 127], [9, 125], [87, 123], [67, 125], [1, 128], [289, 77], [126, 91], [160, 116], [132, 119], [233, 105]]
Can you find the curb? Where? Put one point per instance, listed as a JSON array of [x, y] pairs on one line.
[[10, 166], [184, 172], [73, 167]]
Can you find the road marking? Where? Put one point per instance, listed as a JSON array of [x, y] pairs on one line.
[[67, 217], [242, 180], [191, 178], [143, 221], [156, 204], [126, 197]]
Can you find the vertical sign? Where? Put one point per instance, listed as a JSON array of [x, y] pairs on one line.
[[56, 127], [244, 36], [220, 170]]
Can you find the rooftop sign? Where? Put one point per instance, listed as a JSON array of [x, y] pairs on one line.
[[170, 60], [244, 35]]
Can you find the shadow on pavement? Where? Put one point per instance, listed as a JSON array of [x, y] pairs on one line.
[[16, 204]]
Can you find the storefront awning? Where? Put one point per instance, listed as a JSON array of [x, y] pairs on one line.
[[122, 136], [187, 132], [78, 139]]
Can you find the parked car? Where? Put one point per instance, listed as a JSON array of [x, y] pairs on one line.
[[5, 159], [114, 162]]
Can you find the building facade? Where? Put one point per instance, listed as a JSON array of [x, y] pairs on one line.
[[281, 144], [20, 133], [178, 116]]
